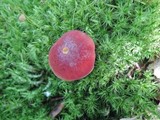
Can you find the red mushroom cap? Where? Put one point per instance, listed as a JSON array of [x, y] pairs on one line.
[[72, 57]]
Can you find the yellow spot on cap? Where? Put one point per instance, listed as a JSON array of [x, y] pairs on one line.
[[65, 50]]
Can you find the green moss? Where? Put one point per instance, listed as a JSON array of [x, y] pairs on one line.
[[124, 32]]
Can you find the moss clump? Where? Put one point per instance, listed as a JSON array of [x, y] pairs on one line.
[[123, 33]]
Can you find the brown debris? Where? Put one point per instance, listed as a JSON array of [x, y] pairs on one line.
[[133, 69], [131, 72], [141, 67], [57, 110], [55, 99]]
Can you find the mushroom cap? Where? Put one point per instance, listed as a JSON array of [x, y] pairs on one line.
[[72, 57]]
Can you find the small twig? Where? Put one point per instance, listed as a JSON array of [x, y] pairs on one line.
[[51, 100], [133, 69], [130, 73], [56, 98], [137, 66]]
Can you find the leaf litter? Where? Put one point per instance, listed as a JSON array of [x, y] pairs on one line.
[[146, 64]]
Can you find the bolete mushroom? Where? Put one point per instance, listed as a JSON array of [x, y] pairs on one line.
[[72, 57]]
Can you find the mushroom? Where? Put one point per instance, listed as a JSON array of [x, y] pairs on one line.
[[72, 57]]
